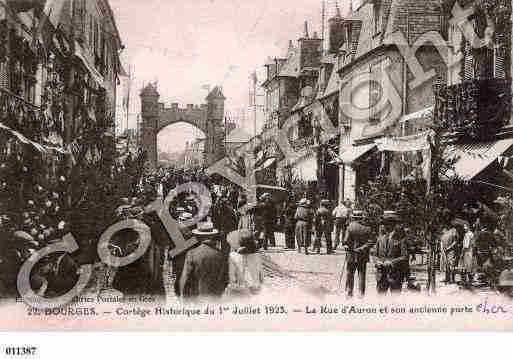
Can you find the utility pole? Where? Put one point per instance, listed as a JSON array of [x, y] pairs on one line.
[[255, 81], [129, 84], [323, 20]]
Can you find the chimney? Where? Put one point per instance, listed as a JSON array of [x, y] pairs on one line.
[[305, 35], [337, 10], [291, 45], [315, 35]]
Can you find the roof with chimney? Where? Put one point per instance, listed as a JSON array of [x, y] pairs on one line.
[[216, 94], [422, 15]]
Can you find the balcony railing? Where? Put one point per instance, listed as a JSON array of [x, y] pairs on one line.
[[475, 108]]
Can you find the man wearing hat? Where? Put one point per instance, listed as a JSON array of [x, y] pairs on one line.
[[303, 219], [205, 271], [358, 240], [323, 226], [391, 255]]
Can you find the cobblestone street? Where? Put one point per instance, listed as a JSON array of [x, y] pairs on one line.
[[315, 275]]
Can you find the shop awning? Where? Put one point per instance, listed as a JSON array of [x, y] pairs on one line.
[[473, 158], [353, 153], [38, 146], [97, 77]]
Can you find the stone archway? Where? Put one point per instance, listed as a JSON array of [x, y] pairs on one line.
[[206, 117]]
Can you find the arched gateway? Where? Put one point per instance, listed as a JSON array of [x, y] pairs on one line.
[[207, 117]]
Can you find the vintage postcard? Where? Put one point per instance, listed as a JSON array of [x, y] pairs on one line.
[[291, 165]]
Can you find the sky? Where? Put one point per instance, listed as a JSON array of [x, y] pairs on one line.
[[185, 45]]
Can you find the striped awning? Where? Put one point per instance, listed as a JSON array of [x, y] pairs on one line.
[[474, 158], [353, 153]]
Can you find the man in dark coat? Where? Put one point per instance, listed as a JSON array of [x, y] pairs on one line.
[[205, 272], [224, 217], [323, 226], [290, 224], [269, 219], [391, 255], [358, 240]]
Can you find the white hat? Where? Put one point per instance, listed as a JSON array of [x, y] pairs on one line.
[[185, 216], [205, 229]]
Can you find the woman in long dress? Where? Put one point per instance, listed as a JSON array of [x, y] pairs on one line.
[[245, 266]]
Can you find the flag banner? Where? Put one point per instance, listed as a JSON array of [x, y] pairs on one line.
[[416, 142]]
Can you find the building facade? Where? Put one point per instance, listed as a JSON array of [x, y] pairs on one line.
[[59, 68], [376, 95]]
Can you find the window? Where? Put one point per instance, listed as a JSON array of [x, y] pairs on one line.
[[455, 41], [91, 40], [95, 45], [4, 77], [377, 18]]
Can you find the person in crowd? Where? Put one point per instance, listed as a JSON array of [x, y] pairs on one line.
[[341, 214], [205, 272], [269, 219], [323, 226], [245, 266], [485, 242], [290, 223], [448, 241], [224, 217], [391, 255], [233, 196], [358, 240], [303, 219], [467, 256], [246, 217], [178, 261]]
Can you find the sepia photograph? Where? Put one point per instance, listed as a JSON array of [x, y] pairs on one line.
[[291, 165]]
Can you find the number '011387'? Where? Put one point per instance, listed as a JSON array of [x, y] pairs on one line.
[[20, 351]]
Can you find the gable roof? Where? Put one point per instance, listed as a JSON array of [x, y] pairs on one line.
[[333, 85], [421, 15], [291, 67]]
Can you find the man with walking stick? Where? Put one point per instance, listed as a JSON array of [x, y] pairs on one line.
[[358, 240]]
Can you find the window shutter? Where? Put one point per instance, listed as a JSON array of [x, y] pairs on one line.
[[468, 70], [498, 63]]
